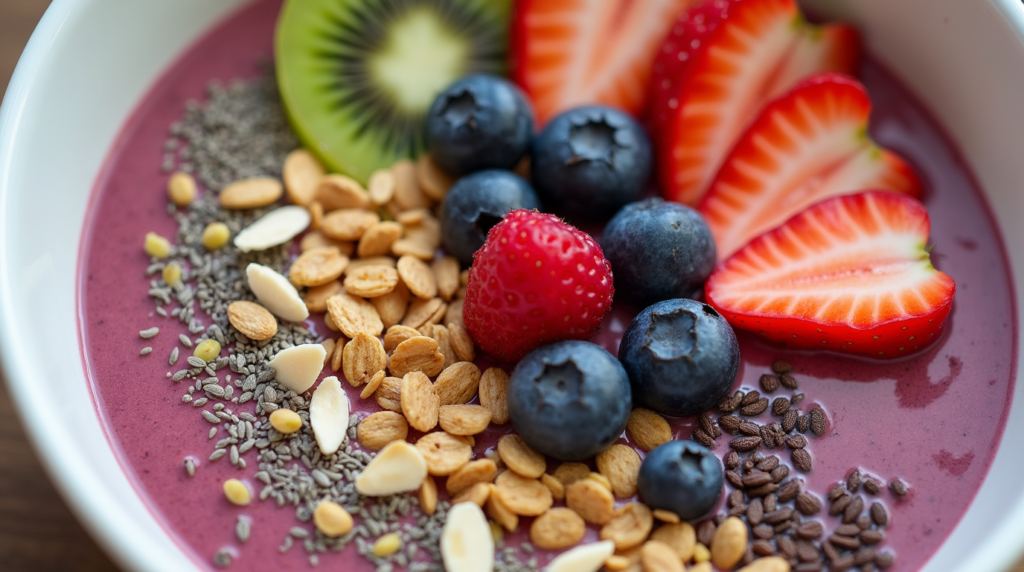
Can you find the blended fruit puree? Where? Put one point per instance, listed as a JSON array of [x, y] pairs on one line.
[[934, 419]]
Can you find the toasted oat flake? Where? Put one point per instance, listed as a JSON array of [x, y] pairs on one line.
[[593, 501], [396, 335], [316, 296], [371, 281], [525, 497], [251, 193], [372, 385], [629, 526], [520, 457], [729, 543], [556, 529], [432, 179], [340, 192], [417, 354], [418, 277], [317, 266], [476, 494], [354, 315], [479, 471], [444, 453], [301, 173], [362, 358], [462, 343], [422, 311], [389, 394], [554, 485], [377, 239], [497, 510], [408, 194], [381, 187], [458, 383], [648, 429], [392, 306], [621, 466], [569, 473], [254, 321], [682, 537], [658, 557], [463, 419], [348, 224], [419, 401], [382, 428], [493, 390]]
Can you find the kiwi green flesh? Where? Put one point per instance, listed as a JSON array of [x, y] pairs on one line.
[[357, 77]]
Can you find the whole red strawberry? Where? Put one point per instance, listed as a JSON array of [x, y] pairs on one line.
[[536, 280]]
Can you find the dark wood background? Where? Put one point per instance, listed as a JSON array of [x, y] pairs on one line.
[[37, 531]]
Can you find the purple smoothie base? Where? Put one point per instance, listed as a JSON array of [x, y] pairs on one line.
[[934, 419]]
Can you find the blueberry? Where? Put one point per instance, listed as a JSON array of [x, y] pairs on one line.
[[590, 161], [683, 477], [681, 355], [479, 122], [569, 400], [658, 251], [477, 202]]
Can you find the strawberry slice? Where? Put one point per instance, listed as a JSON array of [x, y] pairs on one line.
[[850, 274], [721, 62], [806, 146], [567, 53]]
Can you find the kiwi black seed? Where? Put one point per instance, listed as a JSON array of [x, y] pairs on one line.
[[358, 76]]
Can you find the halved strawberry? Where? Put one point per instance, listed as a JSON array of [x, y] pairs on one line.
[[718, 66], [567, 53], [850, 274], [808, 145]]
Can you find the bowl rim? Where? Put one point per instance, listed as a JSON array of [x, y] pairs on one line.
[[999, 552]]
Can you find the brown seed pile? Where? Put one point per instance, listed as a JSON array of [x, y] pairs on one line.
[[783, 519]]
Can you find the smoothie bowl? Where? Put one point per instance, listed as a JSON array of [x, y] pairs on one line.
[[144, 229]]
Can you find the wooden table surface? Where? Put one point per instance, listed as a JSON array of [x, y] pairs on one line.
[[37, 531]]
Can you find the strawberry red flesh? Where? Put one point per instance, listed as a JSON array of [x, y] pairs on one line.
[[536, 280], [567, 53], [851, 274], [806, 146], [720, 64]]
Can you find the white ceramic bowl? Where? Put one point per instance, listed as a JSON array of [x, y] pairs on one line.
[[90, 61]]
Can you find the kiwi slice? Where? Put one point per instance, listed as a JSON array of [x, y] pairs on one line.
[[358, 76]]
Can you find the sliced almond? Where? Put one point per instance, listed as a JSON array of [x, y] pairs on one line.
[[417, 354], [428, 495], [381, 428], [328, 415], [316, 215], [316, 297], [398, 467], [354, 315], [377, 239], [348, 224], [473, 472], [396, 335], [525, 497], [729, 543], [341, 192], [519, 457], [453, 315], [493, 389], [339, 352], [629, 526], [621, 465], [252, 320], [392, 306], [276, 293], [408, 194], [419, 402], [298, 367], [466, 542], [381, 187], [768, 564], [444, 453], [371, 281], [301, 173], [464, 419], [593, 501], [418, 277], [363, 358], [462, 343], [585, 558], [315, 239], [272, 229], [476, 494], [328, 345], [371, 386], [318, 266], [251, 193], [501, 514], [444, 343], [556, 529], [458, 383], [421, 311], [432, 179], [389, 394]]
